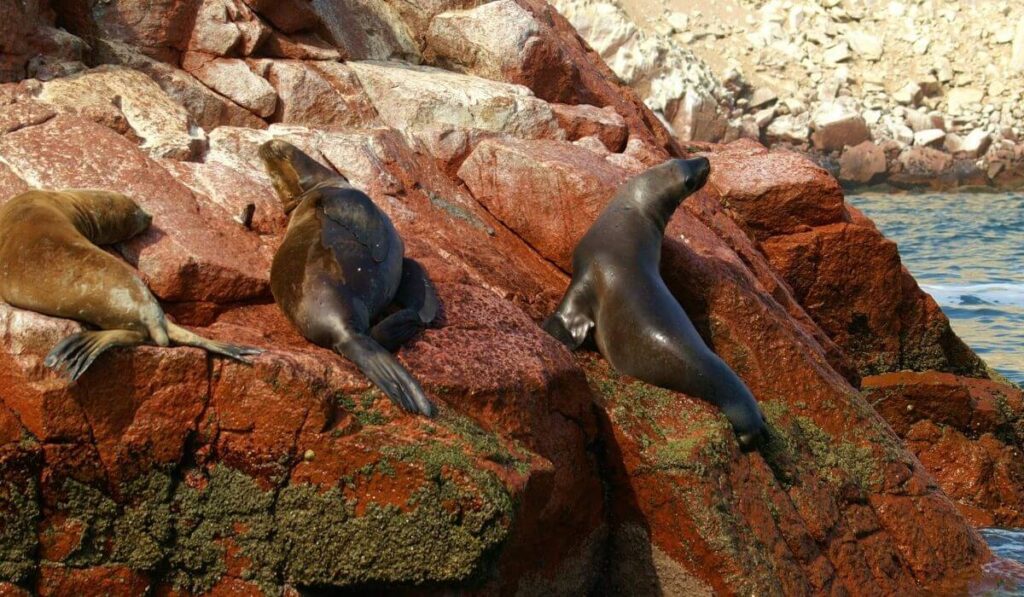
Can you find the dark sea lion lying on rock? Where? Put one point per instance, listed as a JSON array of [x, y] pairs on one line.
[[340, 266], [617, 295], [50, 263]]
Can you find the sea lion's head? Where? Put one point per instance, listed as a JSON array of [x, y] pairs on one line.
[[292, 172], [107, 217], [660, 190]]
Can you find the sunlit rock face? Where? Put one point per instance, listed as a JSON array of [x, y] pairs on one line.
[[492, 136]]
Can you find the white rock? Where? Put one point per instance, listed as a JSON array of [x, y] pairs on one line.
[[975, 144], [836, 125], [909, 95], [837, 53], [930, 138], [788, 129], [866, 45], [958, 99]]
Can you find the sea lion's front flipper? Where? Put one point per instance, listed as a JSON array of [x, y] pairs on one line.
[[396, 329], [74, 354], [416, 292], [180, 335], [387, 373]]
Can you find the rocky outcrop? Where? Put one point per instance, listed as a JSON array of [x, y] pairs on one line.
[[546, 473]]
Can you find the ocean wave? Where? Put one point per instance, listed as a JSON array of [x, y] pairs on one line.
[[967, 295]]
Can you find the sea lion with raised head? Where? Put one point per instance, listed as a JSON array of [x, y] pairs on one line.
[[340, 266], [618, 298], [50, 263]]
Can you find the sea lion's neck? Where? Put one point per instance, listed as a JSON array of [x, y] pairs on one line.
[[653, 204], [92, 224]]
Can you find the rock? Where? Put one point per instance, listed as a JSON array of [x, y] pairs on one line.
[[416, 99], [290, 16], [589, 121], [930, 138], [162, 125], [762, 96], [763, 118], [495, 173], [974, 145], [775, 192], [696, 118], [959, 98], [925, 161], [862, 164], [837, 125], [233, 78], [160, 29], [909, 95], [227, 28], [319, 94], [919, 121], [493, 40], [789, 129], [1017, 51], [208, 109], [865, 45], [967, 430], [837, 53]]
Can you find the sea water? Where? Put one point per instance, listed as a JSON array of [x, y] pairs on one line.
[[967, 251]]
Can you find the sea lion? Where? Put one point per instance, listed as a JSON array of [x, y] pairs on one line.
[[50, 263], [618, 298], [341, 264]]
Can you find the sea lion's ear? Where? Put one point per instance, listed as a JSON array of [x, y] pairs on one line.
[[573, 334]]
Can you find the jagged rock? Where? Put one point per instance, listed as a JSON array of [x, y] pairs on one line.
[[491, 40], [234, 79], [762, 96], [862, 163], [837, 53], [1017, 51], [227, 28], [789, 129], [925, 161], [909, 95], [921, 122], [319, 94], [589, 121], [837, 125]]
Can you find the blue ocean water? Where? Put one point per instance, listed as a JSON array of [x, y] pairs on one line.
[[967, 251]]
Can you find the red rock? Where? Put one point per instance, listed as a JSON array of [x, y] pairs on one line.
[[776, 192], [862, 163], [586, 121], [290, 16], [923, 162], [103, 580], [967, 432], [546, 192], [837, 125], [161, 29], [227, 28], [325, 95], [233, 78]]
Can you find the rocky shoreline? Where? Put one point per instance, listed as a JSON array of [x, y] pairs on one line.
[[492, 136], [914, 95]]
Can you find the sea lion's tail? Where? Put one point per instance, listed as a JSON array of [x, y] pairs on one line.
[[387, 373]]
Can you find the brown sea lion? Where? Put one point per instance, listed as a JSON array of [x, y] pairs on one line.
[[50, 263], [340, 266], [618, 298]]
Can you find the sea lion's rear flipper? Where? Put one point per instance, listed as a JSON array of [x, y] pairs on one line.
[[416, 292], [181, 336], [74, 354], [387, 373], [571, 331], [396, 329]]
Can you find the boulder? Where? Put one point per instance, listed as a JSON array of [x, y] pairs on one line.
[[234, 79], [866, 45], [837, 125], [925, 162], [968, 431], [959, 98], [1017, 50], [161, 28], [974, 145], [319, 94], [583, 121], [910, 94], [496, 40], [227, 28], [793, 130], [208, 109], [862, 164], [110, 92]]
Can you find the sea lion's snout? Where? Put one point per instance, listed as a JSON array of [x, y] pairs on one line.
[[696, 171], [144, 219]]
